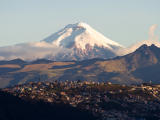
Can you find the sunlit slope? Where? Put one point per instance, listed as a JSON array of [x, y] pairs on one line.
[[41, 67]]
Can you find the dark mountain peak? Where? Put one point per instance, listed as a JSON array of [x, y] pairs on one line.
[[153, 46], [39, 61], [143, 47], [156, 51], [15, 61], [142, 57]]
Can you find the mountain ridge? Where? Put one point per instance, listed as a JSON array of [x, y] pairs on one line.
[[143, 65]]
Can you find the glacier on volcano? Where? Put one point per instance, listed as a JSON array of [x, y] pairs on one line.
[[86, 42]]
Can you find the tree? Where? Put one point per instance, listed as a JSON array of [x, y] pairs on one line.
[[79, 81]]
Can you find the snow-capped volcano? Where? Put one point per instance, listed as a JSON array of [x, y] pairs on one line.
[[81, 34], [86, 42]]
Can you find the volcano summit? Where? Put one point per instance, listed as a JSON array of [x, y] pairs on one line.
[[86, 43]]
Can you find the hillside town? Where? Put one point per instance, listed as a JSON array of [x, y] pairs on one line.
[[104, 100]]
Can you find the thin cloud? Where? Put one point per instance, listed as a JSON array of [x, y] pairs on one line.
[[153, 39], [31, 51]]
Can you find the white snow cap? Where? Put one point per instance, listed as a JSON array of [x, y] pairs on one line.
[[81, 34], [80, 24]]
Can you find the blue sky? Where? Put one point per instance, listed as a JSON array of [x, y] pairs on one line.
[[123, 21]]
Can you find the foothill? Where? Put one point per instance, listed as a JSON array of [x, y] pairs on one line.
[[106, 101]]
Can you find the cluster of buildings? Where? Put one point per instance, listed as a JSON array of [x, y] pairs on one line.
[[133, 105]]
